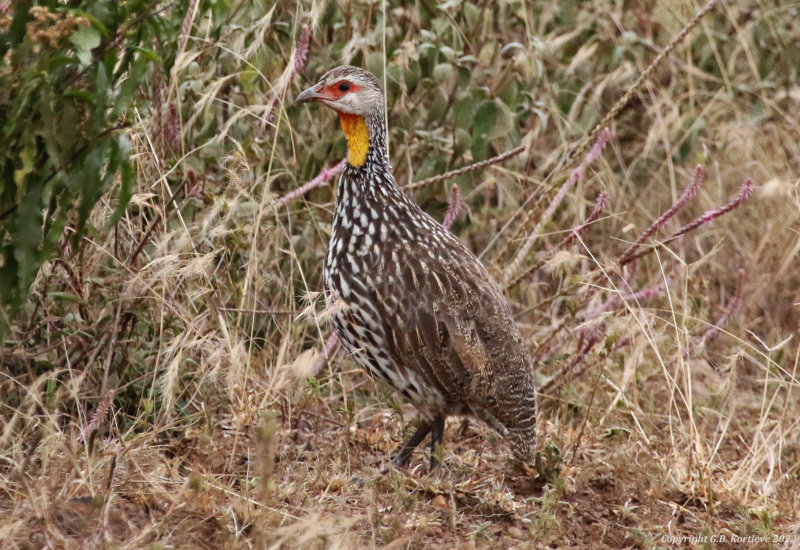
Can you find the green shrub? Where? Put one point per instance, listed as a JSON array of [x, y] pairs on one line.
[[69, 75]]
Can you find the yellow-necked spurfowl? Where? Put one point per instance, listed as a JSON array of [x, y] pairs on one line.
[[412, 304]]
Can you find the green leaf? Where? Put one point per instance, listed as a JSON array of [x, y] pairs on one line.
[[96, 23], [59, 61], [150, 55], [82, 95], [504, 120], [437, 108], [100, 99], [27, 236], [485, 120], [126, 180], [472, 14], [127, 92], [66, 297], [85, 40], [50, 392], [443, 72], [27, 156], [464, 109], [463, 141]]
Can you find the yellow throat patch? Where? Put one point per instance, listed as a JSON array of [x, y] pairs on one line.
[[357, 134]]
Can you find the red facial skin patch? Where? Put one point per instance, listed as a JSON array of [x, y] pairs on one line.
[[333, 92], [353, 126]]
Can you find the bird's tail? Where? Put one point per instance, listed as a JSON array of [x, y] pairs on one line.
[[521, 428]]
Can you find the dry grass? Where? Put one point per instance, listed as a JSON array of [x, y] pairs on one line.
[[203, 313]]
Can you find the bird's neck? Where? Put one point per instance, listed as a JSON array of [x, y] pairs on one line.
[[365, 137], [357, 134], [367, 178]]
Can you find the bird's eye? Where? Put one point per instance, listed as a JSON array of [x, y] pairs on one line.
[[344, 86]]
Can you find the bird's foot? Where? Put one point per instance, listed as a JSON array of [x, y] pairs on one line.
[[545, 465], [398, 462], [529, 469]]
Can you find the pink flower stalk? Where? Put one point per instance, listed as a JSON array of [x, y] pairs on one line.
[[301, 52], [594, 153], [453, 207], [622, 342], [613, 302], [531, 239], [714, 330], [599, 146], [323, 177], [99, 416], [186, 26], [299, 63], [196, 190], [172, 129], [745, 192], [599, 206], [688, 194]]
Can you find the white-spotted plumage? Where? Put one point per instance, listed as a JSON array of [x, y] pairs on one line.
[[419, 311]]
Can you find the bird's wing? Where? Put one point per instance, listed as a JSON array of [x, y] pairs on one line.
[[443, 315]]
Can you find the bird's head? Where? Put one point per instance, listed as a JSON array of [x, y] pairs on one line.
[[347, 89], [355, 94]]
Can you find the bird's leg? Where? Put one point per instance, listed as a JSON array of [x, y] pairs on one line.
[[401, 458], [437, 437]]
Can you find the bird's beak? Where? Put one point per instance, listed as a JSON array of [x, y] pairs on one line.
[[309, 94]]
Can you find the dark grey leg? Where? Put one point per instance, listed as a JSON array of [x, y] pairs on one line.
[[401, 458], [437, 437]]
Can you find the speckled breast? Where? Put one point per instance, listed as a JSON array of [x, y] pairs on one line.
[[352, 262]]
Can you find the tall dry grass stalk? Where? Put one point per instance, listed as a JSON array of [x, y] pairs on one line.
[[166, 388]]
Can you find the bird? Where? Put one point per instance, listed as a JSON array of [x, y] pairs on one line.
[[410, 302]]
